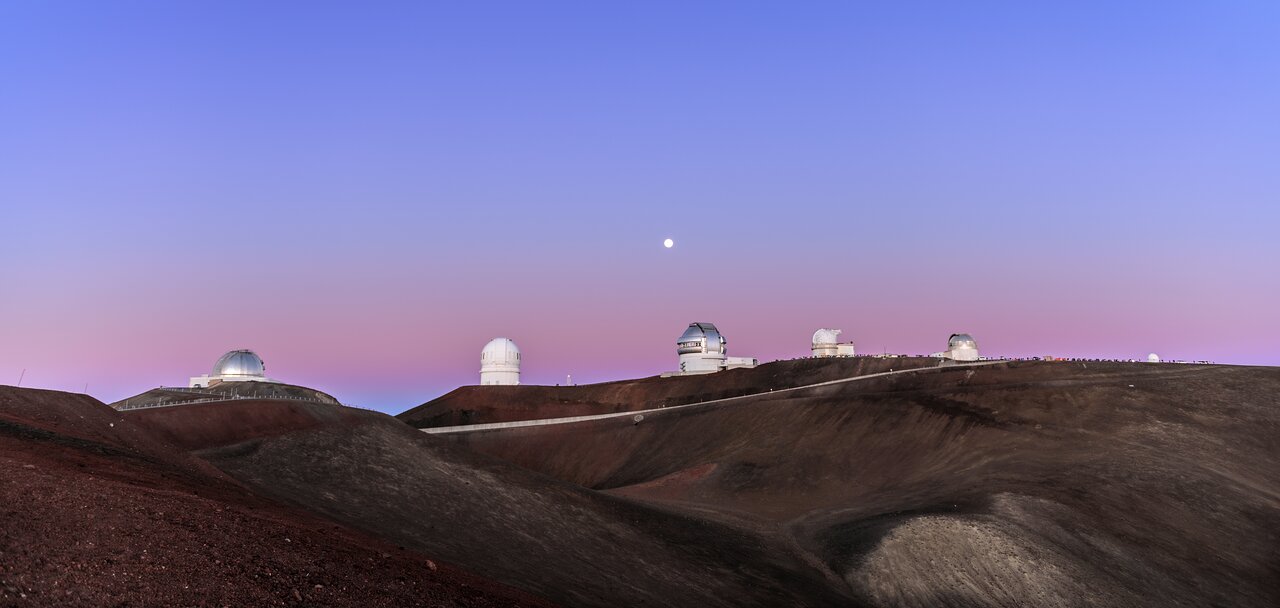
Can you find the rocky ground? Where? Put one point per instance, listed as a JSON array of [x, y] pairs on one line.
[[1080, 483], [95, 512], [1013, 484]]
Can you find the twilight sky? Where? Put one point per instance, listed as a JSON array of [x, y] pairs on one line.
[[367, 194]]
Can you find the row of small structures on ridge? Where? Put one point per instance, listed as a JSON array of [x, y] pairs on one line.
[[702, 349]]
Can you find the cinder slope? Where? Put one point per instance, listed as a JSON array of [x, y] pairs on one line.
[[96, 512], [484, 404], [558, 540], [1054, 484]]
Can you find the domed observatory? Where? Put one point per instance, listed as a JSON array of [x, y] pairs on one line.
[[241, 365], [701, 349], [826, 342], [961, 347], [500, 363], [1153, 358]]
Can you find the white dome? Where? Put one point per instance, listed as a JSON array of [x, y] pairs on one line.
[[500, 351], [500, 362], [826, 336], [1153, 358], [239, 364]]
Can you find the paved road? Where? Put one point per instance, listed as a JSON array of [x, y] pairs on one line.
[[467, 428]]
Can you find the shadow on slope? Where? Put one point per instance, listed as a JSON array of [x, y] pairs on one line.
[[555, 539], [1021, 483]]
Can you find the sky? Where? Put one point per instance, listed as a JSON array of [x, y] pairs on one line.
[[365, 193]]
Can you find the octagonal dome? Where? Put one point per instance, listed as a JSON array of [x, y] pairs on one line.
[[700, 338]]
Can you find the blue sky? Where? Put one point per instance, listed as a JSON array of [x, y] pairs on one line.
[[384, 178]]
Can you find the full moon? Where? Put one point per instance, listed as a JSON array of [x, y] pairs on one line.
[[668, 243]]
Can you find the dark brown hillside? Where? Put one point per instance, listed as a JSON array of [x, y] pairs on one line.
[[198, 426], [555, 539], [1057, 484], [484, 404], [96, 512]]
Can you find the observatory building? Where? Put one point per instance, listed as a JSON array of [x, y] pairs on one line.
[[500, 362], [702, 350], [826, 343], [1153, 358], [236, 366], [960, 347]]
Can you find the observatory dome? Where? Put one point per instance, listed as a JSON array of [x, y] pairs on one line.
[[825, 342], [825, 336], [239, 364], [701, 349], [961, 341], [1153, 358], [961, 347], [699, 339], [500, 351], [500, 362]]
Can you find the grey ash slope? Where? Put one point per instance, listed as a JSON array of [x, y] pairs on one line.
[[1055, 484]]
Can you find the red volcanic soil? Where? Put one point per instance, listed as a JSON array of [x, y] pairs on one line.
[[203, 425], [1027, 483], [96, 511], [486, 404]]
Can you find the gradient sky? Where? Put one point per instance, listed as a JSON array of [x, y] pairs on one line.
[[365, 193]]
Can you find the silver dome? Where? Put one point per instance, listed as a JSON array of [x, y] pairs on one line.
[[240, 363], [961, 341], [700, 338]]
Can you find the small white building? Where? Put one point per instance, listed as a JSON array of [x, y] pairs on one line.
[[236, 366], [1153, 358], [702, 350], [960, 347], [826, 343], [500, 362]]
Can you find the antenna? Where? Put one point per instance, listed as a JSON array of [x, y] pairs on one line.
[[23, 375]]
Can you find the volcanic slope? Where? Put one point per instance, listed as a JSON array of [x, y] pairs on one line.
[[1019, 483], [96, 511], [569, 544], [224, 390], [486, 404]]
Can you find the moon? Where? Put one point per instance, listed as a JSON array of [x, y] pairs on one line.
[[668, 243]]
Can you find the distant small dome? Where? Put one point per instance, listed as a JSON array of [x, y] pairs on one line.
[[700, 338], [240, 364], [826, 336], [1153, 358], [961, 341], [500, 351]]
